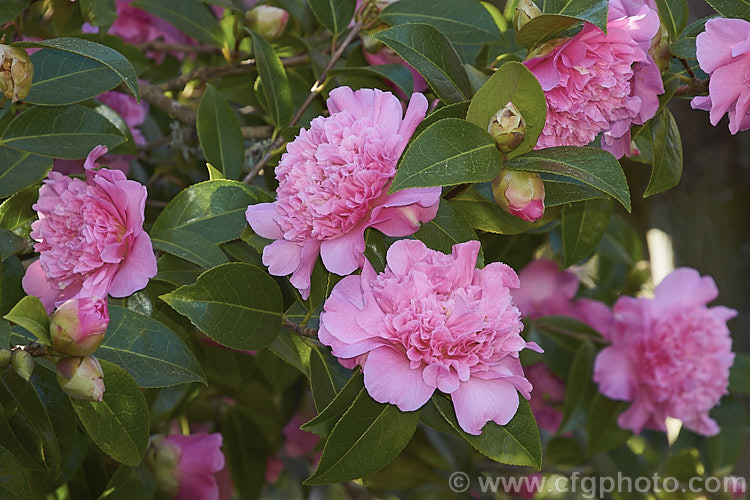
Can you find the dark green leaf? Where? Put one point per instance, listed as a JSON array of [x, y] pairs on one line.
[[13, 480], [30, 314], [292, 349], [99, 12], [560, 191], [246, 452], [4, 334], [16, 210], [10, 243], [366, 439], [739, 9], [674, 15], [236, 304], [190, 246], [516, 443], [395, 73], [152, 353], [449, 152], [19, 170], [456, 110], [683, 48], [69, 132], [327, 377], [324, 422], [96, 51], [10, 9], [445, 230], [593, 11], [578, 387], [177, 271], [462, 21], [601, 426], [128, 483], [429, 52], [119, 424], [486, 215], [583, 225], [276, 89], [335, 15], [219, 134], [11, 289], [739, 375], [545, 27], [511, 83], [189, 16], [62, 77], [592, 166], [667, 147]]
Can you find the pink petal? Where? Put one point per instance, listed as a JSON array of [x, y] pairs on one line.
[[261, 218], [389, 379], [282, 257], [479, 401], [138, 267], [35, 283], [345, 254], [614, 374]]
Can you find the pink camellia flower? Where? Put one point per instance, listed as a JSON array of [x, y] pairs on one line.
[[78, 326], [670, 355], [548, 398], [723, 52], [601, 83], [547, 291], [433, 321], [90, 237], [133, 112], [333, 184], [185, 467]]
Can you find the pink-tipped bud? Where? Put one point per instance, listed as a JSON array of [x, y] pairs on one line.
[[526, 10], [81, 378], [23, 364], [162, 458], [268, 21], [17, 72], [508, 128], [520, 193], [78, 326]]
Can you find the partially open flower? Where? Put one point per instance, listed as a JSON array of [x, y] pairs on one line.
[[267, 20], [526, 10], [78, 326], [18, 72], [520, 193], [81, 378], [508, 128]]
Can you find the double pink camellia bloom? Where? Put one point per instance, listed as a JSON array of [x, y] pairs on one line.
[[433, 321], [333, 184], [670, 355], [723, 52], [598, 82], [90, 237]]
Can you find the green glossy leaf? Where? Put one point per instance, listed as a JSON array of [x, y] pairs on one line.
[[177, 271], [128, 483], [291, 348], [10, 9], [511, 83], [99, 12], [325, 421], [246, 452], [219, 134], [429, 52], [69, 132], [119, 424], [276, 89], [516, 443], [583, 226], [236, 304], [398, 74], [674, 15], [30, 314], [449, 152], [149, 351], [96, 51], [16, 210], [366, 439], [13, 480], [11, 291], [445, 230], [667, 146], [739, 9], [10, 243], [455, 110], [578, 387], [560, 191], [327, 377], [601, 425], [593, 11], [189, 16], [462, 21], [592, 166], [739, 375], [4, 334], [545, 27], [190, 246], [19, 170], [335, 15], [485, 215], [62, 77]]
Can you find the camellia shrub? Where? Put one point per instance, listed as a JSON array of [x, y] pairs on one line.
[[358, 249]]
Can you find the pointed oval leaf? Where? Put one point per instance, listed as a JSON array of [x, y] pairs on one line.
[[583, 226], [19, 170], [31, 315], [219, 133], [276, 89], [335, 15], [667, 150]]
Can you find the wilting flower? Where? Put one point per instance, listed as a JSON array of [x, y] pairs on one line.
[[723, 52], [601, 83], [16, 72], [670, 355], [90, 237], [333, 184], [81, 378], [78, 326], [547, 291], [548, 397], [520, 193], [433, 321], [185, 467]]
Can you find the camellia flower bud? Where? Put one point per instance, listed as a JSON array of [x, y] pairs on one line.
[[162, 458], [526, 10], [81, 378], [15, 82], [520, 193], [78, 326], [5, 355], [659, 49], [23, 363], [508, 128], [267, 21]]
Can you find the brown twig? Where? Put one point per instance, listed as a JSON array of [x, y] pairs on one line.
[[299, 329], [314, 91], [159, 46], [687, 68], [257, 132], [696, 87], [153, 95]]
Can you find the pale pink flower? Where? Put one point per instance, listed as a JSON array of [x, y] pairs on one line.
[[433, 321], [723, 52], [90, 237], [548, 397], [670, 355], [547, 291], [333, 184], [601, 83], [200, 458]]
